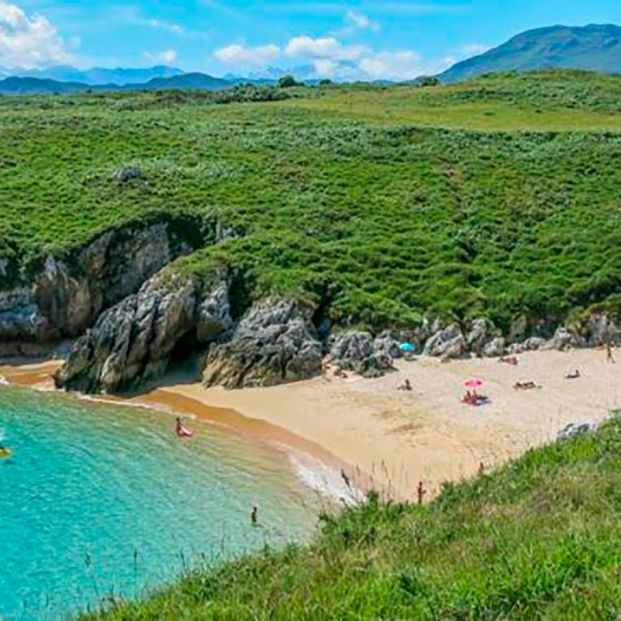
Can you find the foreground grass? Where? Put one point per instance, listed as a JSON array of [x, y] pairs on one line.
[[496, 198], [540, 538]]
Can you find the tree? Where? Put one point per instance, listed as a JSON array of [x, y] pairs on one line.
[[287, 81], [428, 80]]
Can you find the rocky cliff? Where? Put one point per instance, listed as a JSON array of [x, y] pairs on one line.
[[132, 342], [67, 294]]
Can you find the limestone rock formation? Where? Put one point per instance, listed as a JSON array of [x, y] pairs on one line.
[[275, 342], [564, 339], [67, 295], [133, 341], [447, 343], [495, 348], [360, 352]]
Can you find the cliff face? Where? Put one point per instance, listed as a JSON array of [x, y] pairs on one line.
[[132, 342], [67, 296]]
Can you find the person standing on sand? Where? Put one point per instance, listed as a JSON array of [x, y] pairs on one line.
[[420, 492]]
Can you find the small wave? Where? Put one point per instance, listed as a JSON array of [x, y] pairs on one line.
[[3, 381], [321, 478]]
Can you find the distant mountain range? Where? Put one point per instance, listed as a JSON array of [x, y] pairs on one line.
[[96, 76], [592, 48], [185, 81]]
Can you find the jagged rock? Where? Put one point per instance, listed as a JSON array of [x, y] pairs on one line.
[[479, 336], [214, 314], [66, 297], [564, 339], [518, 329], [359, 352], [575, 429], [274, 343], [132, 342], [495, 348], [387, 343], [600, 329], [447, 344]]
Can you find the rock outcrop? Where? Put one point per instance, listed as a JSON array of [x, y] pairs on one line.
[[600, 329], [132, 342], [361, 353], [275, 342], [67, 295], [495, 348], [447, 343], [564, 339]]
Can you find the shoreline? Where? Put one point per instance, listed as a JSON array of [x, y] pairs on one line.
[[391, 440]]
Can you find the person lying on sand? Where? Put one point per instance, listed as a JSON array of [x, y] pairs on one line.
[[407, 386], [512, 360], [526, 386], [473, 398], [574, 375]]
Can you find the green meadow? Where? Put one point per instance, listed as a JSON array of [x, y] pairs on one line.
[[497, 198]]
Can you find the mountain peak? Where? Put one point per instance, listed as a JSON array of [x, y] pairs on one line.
[[595, 47]]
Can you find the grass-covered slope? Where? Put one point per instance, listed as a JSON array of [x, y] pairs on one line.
[[538, 539], [498, 197]]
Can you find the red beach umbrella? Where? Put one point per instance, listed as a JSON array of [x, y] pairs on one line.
[[473, 384]]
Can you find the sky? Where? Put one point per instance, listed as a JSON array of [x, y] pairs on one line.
[[389, 39]]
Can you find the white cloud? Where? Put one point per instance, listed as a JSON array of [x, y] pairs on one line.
[[359, 21], [327, 47], [330, 58], [241, 55], [29, 41], [164, 25], [166, 56], [402, 65]]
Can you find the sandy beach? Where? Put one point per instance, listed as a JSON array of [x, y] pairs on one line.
[[391, 439]]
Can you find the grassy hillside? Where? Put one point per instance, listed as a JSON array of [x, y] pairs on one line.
[[498, 197], [538, 539], [596, 47]]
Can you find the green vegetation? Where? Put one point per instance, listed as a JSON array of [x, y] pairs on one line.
[[495, 198], [538, 539]]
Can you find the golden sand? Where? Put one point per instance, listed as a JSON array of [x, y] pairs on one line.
[[395, 439]]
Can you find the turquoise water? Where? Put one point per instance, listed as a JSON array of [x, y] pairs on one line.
[[100, 499]]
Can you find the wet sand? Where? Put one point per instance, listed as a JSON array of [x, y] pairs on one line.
[[393, 439]]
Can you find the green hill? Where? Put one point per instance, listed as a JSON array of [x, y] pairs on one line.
[[538, 539], [496, 198], [592, 48]]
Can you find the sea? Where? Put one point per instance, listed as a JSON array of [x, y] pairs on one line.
[[100, 503]]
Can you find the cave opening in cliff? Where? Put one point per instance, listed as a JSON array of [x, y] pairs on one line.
[[187, 356]]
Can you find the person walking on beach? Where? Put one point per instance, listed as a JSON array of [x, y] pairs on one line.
[[345, 478], [609, 356]]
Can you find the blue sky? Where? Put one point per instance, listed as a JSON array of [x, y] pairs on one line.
[[378, 39]]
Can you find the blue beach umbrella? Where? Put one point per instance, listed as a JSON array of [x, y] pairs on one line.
[[407, 348]]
